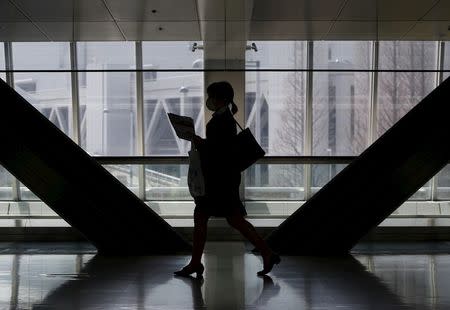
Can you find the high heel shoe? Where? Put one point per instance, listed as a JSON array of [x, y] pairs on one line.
[[273, 259], [188, 270]]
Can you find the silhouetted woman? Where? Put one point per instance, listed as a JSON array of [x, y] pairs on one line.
[[222, 180]]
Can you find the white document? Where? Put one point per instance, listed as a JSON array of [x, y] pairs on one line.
[[183, 125]]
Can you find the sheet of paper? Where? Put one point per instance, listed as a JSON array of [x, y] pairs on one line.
[[183, 125]]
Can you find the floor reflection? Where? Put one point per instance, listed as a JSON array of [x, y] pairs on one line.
[[122, 282], [337, 282], [269, 291], [195, 284], [87, 281]]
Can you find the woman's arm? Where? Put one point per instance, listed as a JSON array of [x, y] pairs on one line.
[[198, 142], [219, 138]]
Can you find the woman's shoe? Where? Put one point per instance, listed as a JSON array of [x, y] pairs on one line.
[[274, 258], [189, 269]]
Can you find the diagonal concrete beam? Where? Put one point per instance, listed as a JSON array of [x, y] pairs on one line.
[[76, 187], [374, 185]]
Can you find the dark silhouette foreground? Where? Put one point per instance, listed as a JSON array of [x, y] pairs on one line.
[[222, 180]]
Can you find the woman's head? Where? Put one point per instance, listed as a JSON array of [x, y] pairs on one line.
[[220, 94]]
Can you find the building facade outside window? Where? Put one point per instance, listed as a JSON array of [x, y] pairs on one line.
[[107, 99], [275, 113]]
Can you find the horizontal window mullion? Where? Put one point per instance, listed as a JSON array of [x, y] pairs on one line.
[[229, 70]]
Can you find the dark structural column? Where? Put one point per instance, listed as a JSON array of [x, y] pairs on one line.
[[374, 185], [76, 187]]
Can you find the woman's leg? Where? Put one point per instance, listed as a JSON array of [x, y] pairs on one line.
[[199, 237], [236, 220]]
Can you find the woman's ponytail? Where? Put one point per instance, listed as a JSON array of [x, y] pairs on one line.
[[234, 108]]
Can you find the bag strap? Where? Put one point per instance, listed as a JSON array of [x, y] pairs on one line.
[[238, 124], [242, 129]]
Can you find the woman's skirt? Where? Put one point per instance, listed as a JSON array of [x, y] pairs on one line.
[[222, 189], [220, 206]]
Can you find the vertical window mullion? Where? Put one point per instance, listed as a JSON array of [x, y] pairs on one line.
[[373, 93], [308, 119], [438, 79], [140, 117], [10, 80], [75, 93]]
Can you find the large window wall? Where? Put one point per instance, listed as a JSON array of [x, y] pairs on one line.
[[333, 98], [93, 93], [301, 99]]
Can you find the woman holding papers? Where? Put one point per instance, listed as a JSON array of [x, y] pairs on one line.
[[222, 181]]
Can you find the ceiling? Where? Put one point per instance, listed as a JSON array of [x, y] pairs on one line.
[[223, 20]]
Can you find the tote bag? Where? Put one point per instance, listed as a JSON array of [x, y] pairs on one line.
[[246, 150], [196, 180]]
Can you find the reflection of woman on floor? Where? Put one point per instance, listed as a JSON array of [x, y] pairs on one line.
[[222, 181]]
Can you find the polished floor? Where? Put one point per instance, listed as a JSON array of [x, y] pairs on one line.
[[72, 276]]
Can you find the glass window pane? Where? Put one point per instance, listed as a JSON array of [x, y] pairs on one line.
[[166, 182], [275, 101], [424, 193], [171, 55], [26, 193], [407, 55], [175, 92], [128, 175], [107, 99], [341, 100], [398, 92], [443, 184], [275, 110], [342, 55], [28, 208], [274, 182], [276, 55], [41, 55], [322, 174], [50, 93], [106, 55], [6, 184]]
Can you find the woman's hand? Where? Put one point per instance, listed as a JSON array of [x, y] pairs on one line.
[[197, 140]]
